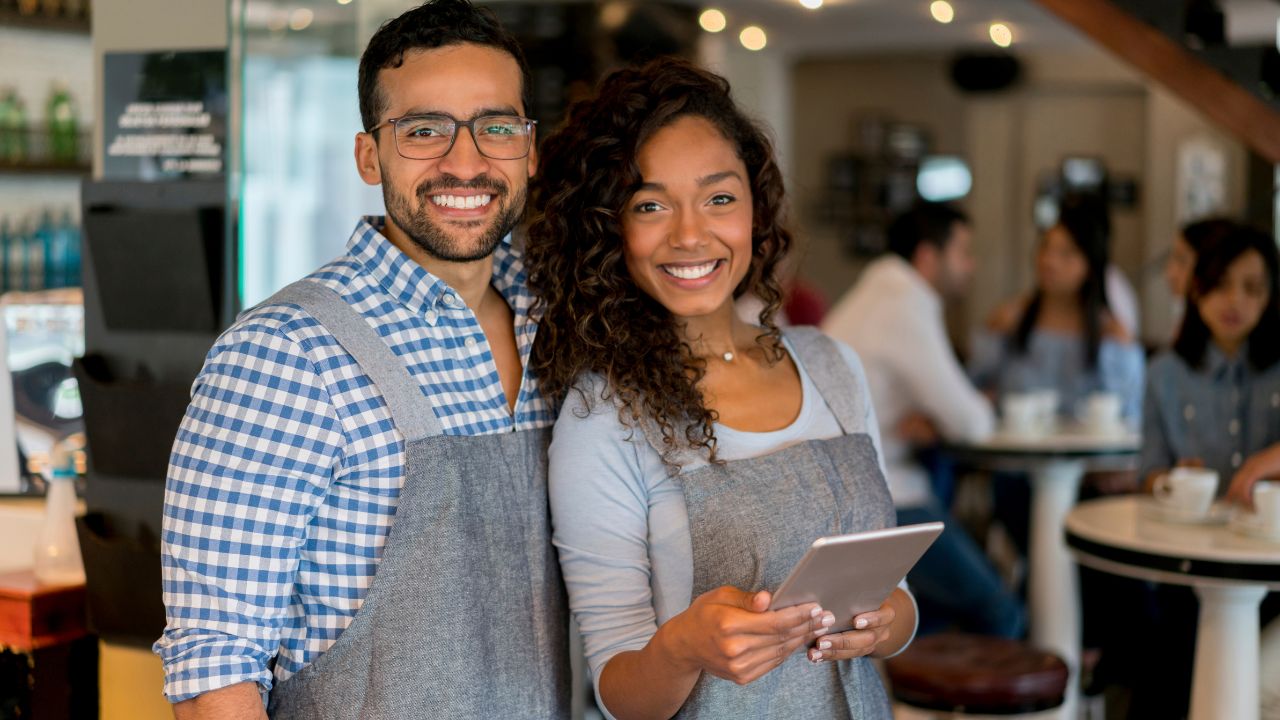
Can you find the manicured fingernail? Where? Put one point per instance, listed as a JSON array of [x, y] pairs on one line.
[[815, 656], [824, 645], [815, 612], [828, 620], [862, 623]]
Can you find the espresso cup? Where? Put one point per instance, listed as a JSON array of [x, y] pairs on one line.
[[1102, 413], [1187, 491], [1020, 414], [1046, 410], [1266, 503]]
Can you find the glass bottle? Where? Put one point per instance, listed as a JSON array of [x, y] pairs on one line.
[[57, 553]]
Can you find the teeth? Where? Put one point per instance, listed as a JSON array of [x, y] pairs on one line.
[[690, 272], [465, 202]]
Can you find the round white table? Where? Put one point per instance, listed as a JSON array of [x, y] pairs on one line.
[[1056, 463], [1230, 573]]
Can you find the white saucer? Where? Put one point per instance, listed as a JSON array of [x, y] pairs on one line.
[[1217, 514], [1247, 524]]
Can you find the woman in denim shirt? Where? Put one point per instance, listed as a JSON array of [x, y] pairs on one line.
[[1214, 401], [1062, 336]]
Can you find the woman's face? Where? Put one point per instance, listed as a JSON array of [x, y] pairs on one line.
[[1179, 266], [688, 229], [1232, 310], [1061, 268]]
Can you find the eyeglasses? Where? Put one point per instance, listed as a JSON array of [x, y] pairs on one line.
[[424, 137]]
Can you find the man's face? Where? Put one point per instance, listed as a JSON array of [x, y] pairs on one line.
[[956, 263], [460, 206]]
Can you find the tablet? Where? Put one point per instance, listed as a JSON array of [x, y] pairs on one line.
[[851, 574]]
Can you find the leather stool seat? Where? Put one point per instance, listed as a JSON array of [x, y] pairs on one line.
[[959, 673]]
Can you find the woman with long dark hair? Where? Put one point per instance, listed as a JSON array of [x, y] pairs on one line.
[[1062, 335], [1214, 401], [1181, 263], [696, 455]]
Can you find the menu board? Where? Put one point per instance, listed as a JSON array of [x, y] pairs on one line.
[[164, 115]]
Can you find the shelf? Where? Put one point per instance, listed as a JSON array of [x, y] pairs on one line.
[[43, 168], [11, 18]]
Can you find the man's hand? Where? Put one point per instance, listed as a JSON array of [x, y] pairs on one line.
[[918, 430]]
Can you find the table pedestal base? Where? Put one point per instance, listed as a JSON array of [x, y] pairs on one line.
[[1226, 669], [1053, 586]]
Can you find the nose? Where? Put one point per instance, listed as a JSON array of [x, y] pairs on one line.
[[689, 231], [464, 160]]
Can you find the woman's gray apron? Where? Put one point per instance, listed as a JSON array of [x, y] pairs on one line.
[[466, 616], [751, 520]]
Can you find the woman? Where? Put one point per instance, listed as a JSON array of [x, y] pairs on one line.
[[1062, 336], [1181, 262], [696, 455], [1214, 401]]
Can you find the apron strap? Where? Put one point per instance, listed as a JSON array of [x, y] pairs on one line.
[[830, 373], [411, 414]]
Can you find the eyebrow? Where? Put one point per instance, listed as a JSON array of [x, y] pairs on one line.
[[703, 181], [503, 110]]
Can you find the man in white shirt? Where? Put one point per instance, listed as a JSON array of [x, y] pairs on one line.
[[894, 319]]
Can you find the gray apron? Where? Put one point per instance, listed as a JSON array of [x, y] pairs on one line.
[[466, 616], [751, 520]]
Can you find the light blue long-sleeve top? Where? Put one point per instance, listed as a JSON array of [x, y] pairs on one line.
[[620, 522]]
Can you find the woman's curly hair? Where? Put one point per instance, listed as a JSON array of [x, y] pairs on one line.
[[594, 318]]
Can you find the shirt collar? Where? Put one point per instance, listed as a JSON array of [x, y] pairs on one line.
[[1222, 367], [418, 290]]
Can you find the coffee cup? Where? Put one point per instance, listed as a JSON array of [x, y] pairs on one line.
[[1187, 492], [1102, 413], [1266, 504], [1020, 414], [1046, 409]]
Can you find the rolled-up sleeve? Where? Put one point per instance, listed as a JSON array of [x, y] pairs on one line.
[[252, 460]]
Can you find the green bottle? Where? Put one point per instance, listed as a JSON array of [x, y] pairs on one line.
[[63, 131]]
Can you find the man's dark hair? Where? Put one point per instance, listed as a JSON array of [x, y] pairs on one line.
[[926, 222], [433, 24]]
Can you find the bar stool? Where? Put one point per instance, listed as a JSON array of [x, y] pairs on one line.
[[964, 676]]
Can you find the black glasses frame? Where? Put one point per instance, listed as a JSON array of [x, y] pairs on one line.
[[529, 124]]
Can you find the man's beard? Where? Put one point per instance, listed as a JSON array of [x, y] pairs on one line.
[[436, 240]]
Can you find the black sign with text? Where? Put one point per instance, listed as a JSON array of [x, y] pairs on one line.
[[164, 115]]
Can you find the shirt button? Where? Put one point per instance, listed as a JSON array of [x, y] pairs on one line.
[[449, 299], [1189, 412], [1233, 427], [1236, 460], [470, 342], [430, 316]]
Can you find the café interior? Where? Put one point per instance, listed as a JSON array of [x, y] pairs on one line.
[[1162, 112]]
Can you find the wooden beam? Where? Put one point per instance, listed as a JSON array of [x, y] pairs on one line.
[[1220, 99]]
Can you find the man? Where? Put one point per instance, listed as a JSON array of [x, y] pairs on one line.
[[894, 319], [356, 518]]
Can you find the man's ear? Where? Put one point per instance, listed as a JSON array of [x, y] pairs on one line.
[[926, 259], [368, 164]]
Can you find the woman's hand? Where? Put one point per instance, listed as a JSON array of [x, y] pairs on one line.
[[879, 633], [733, 635], [1259, 466]]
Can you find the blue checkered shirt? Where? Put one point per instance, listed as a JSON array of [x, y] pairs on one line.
[[286, 470]]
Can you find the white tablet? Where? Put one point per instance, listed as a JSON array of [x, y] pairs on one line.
[[851, 574]]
